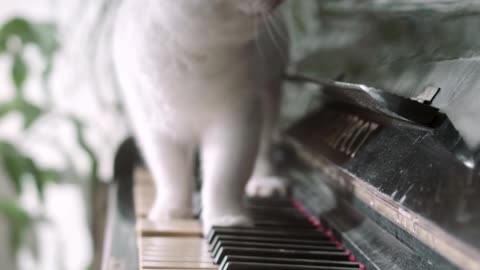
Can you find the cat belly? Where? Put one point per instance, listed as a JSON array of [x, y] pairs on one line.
[[185, 112], [181, 93]]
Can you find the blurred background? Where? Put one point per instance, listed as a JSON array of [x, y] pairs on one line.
[[61, 120], [59, 128]]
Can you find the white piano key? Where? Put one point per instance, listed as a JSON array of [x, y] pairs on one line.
[[173, 228]]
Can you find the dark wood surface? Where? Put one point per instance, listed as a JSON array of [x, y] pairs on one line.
[[420, 183]]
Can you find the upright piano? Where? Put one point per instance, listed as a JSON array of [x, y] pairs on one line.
[[383, 162], [378, 181]]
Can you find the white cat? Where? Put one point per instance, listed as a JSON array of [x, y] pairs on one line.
[[203, 75]]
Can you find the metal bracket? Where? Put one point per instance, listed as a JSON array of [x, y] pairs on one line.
[[428, 95]]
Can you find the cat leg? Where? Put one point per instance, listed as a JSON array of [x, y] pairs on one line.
[[171, 164], [228, 153], [264, 182]]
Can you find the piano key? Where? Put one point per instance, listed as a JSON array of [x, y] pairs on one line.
[[284, 223], [278, 215], [176, 256], [280, 225], [188, 242], [271, 207], [287, 214], [187, 249], [170, 228], [282, 236], [255, 259], [272, 240], [262, 208], [178, 265], [244, 231], [274, 266], [279, 253], [269, 245], [277, 202], [271, 218]]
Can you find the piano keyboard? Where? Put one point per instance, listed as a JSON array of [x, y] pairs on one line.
[[283, 237]]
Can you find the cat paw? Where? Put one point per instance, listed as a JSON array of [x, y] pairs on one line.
[[162, 213], [226, 221], [265, 187]]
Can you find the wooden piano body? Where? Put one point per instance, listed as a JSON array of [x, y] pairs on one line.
[[391, 177], [399, 191]]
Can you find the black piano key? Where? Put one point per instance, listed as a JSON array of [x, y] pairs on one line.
[[274, 266], [279, 218], [269, 245], [280, 253], [297, 234], [280, 225], [239, 259], [284, 216], [277, 202], [259, 207], [289, 212], [299, 223], [281, 238], [272, 240], [262, 218], [278, 215], [284, 223]]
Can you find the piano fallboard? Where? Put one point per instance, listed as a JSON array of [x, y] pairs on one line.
[[419, 182]]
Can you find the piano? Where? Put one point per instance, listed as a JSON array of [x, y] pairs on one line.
[[388, 183], [381, 177]]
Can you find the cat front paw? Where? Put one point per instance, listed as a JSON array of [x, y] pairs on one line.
[[163, 213], [226, 221], [266, 187]]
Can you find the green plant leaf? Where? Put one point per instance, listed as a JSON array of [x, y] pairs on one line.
[[44, 35], [3, 44], [46, 38], [18, 27], [14, 164], [79, 130], [6, 108], [41, 177], [30, 113], [19, 72], [19, 220], [18, 165]]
